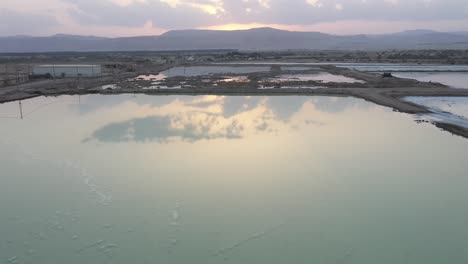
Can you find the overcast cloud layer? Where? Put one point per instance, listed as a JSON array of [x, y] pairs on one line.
[[149, 17]]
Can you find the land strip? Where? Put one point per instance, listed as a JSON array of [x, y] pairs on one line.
[[373, 87]]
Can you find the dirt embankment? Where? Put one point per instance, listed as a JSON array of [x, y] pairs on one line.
[[456, 130], [56, 87], [382, 91]]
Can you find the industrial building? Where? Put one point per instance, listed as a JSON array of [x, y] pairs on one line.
[[68, 71]]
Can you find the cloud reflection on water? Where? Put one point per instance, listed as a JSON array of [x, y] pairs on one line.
[[193, 119], [191, 127]]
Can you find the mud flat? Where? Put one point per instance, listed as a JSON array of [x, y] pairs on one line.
[[370, 86]]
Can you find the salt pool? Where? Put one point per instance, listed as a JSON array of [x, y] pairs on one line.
[[226, 179], [322, 77], [452, 79]]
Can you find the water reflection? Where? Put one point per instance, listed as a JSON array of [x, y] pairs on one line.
[[336, 104], [94, 103], [207, 117], [285, 107], [191, 127], [286, 189], [319, 77], [187, 118], [234, 105], [452, 79]]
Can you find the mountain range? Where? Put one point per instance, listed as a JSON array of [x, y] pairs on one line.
[[249, 40]]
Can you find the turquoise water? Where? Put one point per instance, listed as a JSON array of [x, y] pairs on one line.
[[206, 179]]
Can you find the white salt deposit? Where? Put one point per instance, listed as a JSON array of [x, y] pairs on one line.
[[323, 77], [109, 87]]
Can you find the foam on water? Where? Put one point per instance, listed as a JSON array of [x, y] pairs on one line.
[[450, 110], [91, 246], [13, 260], [235, 190], [88, 178], [242, 243]]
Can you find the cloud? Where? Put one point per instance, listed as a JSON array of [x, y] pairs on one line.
[[127, 2], [212, 7], [164, 14], [339, 7], [315, 3], [168, 128], [16, 23], [77, 15]]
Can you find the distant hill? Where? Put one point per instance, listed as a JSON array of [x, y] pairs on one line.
[[416, 32], [465, 33], [253, 39], [77, 37]]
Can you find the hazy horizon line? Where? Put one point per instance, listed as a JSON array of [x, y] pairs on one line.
[[232, 30]]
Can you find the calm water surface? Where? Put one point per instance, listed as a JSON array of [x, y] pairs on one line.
[[141, 179], [208, 70], [380, 67], [452, 79], [373, 67], [322, 76]]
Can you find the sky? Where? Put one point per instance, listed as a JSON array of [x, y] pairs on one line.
[[120, 18]]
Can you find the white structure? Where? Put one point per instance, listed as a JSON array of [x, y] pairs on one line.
[[68, 71]]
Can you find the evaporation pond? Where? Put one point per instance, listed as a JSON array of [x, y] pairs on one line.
[[371, 67], [380, 67], [205, 179], [452, 79], [322, 77], [209, 70]]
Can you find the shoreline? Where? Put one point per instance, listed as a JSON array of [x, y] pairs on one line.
[[393, 101], [381, 91]]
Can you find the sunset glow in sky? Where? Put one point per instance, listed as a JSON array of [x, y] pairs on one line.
[[153, 17]]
